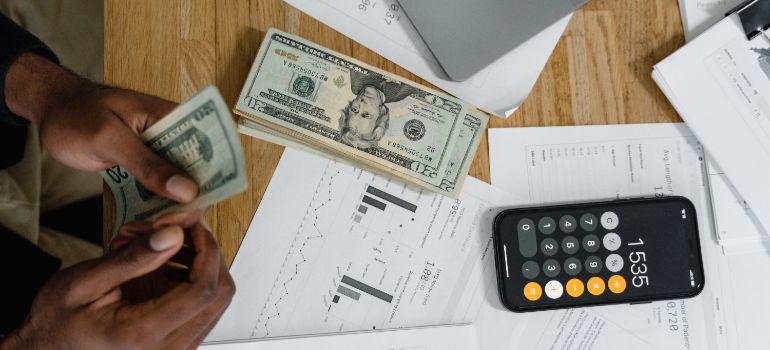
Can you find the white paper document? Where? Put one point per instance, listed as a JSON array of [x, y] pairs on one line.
[[383, 27], [720, 85], [334, 249], [428, 338], [699, 15], [568, 164]]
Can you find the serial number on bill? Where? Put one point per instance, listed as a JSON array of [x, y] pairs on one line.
[[305, 71]]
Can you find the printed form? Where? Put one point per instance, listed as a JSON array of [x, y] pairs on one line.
[[335, 249], [383, 27], [568, 164], [720, 85]]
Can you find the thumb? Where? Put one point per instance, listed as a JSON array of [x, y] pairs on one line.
[[133, 113], [137, 258], [155, 173]]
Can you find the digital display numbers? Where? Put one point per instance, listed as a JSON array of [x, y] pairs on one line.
[[638, 267]]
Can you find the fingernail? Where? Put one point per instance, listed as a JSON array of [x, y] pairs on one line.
[[181, 187], [166, 238]]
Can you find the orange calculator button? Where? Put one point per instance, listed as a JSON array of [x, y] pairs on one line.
[[617, 284], [533, 291], [595, 285], [575, 288]]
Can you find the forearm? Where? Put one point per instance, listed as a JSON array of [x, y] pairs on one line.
[[34, 85]]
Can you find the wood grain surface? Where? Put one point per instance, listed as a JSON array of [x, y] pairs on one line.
[[599, 72]]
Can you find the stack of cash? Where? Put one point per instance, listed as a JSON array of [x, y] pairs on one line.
[[303, 95], [198, 137]]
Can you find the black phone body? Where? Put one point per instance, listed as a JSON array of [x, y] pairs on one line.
[[621, 251]]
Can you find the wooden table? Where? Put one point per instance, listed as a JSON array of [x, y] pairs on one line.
[[598, 74]]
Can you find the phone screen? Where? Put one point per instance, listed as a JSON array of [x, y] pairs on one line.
[[599, 253]]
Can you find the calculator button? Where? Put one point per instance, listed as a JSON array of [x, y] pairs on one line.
[[551, 268], [554, 289], [527, 240], [611, 241], [532, 291], [616, 284], [595, 285], [614, 262], [588, 222], [593, 264], [567, 223], [609, 220], [575, 288], [549, 247], [530, 269], [572, 266], [591, 243], [546, 225], [570, 245]]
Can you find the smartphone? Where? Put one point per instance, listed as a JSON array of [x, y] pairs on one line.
[[621, 251]]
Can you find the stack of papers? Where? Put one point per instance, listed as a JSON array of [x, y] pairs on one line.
[[336, 249], [383, 27], [720, 85]]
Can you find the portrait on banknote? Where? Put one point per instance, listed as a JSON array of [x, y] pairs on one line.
[[365, 118]]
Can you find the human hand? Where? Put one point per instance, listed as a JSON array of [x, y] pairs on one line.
[[82, 307], [93, 127]]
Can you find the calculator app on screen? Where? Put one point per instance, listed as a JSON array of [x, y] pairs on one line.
[[621, 251]]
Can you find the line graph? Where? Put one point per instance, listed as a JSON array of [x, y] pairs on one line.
[[265, 321]]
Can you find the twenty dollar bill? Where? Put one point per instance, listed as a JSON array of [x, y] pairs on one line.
[[198, 137], [310, 95]]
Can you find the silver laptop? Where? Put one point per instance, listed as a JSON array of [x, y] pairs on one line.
[[466, 36]]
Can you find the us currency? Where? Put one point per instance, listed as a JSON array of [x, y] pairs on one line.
[[198, 137], [454, 176], [309, 94]]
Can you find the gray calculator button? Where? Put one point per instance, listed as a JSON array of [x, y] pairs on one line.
[[588, 222], [572, 266], [567, 223], [551, 268], [591, 243], [614, 262], [527, 241], [530, 269], [611, 241], [546, 225], [570, 245], [609, 220], [549, 247], [593, 264]]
